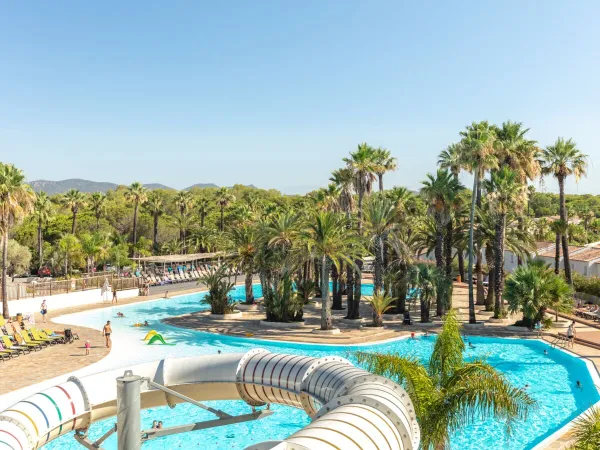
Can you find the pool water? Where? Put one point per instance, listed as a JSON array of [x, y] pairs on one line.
[[551, 379]]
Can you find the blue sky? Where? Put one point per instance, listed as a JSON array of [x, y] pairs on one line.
[[275, 93]]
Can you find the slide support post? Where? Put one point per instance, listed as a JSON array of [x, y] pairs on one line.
[[129, 429]]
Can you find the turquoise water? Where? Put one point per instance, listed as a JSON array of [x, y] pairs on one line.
[[551, 379]]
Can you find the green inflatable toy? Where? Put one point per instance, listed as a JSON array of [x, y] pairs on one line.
[[157, 338]]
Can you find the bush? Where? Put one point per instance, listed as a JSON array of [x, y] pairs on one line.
[[587, 285], [219, 285]]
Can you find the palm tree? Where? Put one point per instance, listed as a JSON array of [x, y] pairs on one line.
[[425, 280], [561, 160], [224, 198], [363, 166], [450, 393], [42, 210], [441, 192], [154, 205], [385, 162], [477, 150], [329, 242], [507, 194], [534, 288], [98, 206], [138, 195], [451, 159], [69, 249], [344, 180], [183, 201], [16, 202], [242, 242], [586, 430], [90, 248], [74, 200], [380, 303], [203, 208], [559, 228], [541, 229], [380, 219]]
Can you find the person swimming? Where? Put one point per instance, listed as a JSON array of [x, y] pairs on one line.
[[471, 345], [146, 324], [120, 314], [545, 352], [578, 384]]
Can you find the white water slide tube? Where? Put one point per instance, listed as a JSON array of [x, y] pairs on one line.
[[351, 408]]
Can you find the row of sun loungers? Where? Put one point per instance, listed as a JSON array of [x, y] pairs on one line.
[[175, 276], [19, 339], [588, 315]]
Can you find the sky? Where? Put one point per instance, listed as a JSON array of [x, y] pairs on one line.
[[276, 93]]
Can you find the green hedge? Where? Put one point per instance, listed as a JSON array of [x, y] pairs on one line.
[[587, 285]]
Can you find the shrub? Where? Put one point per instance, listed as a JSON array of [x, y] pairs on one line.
[[219, 285]]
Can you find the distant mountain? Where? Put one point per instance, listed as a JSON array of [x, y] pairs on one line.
[[201, 186], [60, 187]]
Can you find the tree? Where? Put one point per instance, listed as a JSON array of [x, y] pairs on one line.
[[441, 193], [138, 195], [450, 159], [42, 210], [559, 228], [533, 288], [243, 245], [363, 167], [385, 162], [224, 198], [328, 241], [69, 251], [449, 393], [477, 151], [16, 202], [380, 303], [380, 220], [219, 286], [561, 160], [97, 204], [74, 200], [155, 206], [203, 208], [90, 248], [19, 258], [507, 194], [586, 430], [425, 279]]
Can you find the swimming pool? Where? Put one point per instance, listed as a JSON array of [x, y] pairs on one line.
[[551, 378]]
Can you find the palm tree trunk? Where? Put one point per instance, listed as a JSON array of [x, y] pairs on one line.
[[461, 263], [350, 291], [439, 262], [479, 263], [499, 281], [5, 313], [73, 221], [357, 292], [490, 258], [40, 244], [472, 318], [380, 175], [155, 234], [202, 220], [557, 254], [222, 218], [378, 278], [248, 284], [564, 237], [425, 307], [401, 288], [97, 222], [326, 321], [135, 213], [448, 243], [336, 293]]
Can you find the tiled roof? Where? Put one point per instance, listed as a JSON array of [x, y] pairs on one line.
[[551, 252], [542, 245], [587, 255]]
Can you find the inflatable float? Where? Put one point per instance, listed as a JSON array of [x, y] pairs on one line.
[[351, 408]]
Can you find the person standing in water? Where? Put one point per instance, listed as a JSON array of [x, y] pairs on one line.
[[114, 291], [106, 332]]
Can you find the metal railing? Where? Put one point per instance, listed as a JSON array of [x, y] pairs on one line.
[[18, 291]]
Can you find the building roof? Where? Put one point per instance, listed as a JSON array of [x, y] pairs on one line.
[[587, 255], [541, 245], [552, 251]]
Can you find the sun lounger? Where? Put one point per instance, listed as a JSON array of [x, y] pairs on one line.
[[9, 352], [43, 334], [28, 343], [8, 345], [28, 339]]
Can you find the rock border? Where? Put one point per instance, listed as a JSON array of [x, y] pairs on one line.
[[279, 325]]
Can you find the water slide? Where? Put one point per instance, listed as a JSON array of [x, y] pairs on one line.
[[351, 408]]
